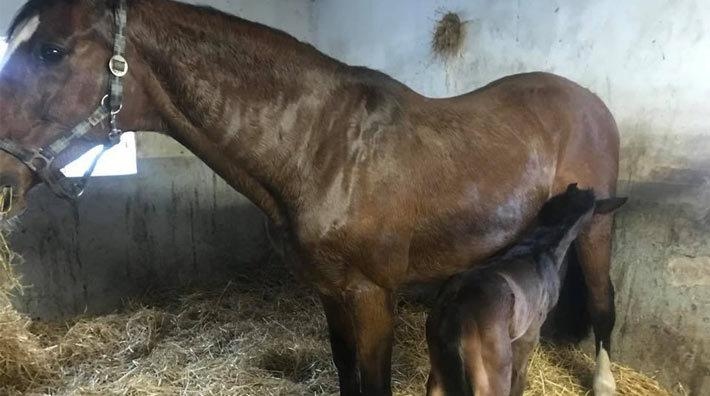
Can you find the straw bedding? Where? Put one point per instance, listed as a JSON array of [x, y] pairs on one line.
[[261, 335]]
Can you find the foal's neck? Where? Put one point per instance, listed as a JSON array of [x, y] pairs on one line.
[[553, 241], [248, 100]]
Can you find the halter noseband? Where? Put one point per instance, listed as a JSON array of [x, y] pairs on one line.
[[40, 160]]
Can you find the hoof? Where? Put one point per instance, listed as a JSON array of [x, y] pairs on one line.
[[604, 384]]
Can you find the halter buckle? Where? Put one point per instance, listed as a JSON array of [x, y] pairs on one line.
[[39, 155], [118, 65]]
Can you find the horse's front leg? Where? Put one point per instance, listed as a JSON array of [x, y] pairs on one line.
[[342, 344], [360, 320]]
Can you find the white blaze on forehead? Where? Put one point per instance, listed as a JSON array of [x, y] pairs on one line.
[[22, 35]]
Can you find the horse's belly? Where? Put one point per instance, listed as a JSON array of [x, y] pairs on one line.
[[458, 242], [434, 260]]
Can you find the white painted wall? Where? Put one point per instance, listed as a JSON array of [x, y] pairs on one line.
[[291, 16], [8, 8]]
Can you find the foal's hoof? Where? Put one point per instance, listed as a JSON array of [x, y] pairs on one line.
[[604, 384]]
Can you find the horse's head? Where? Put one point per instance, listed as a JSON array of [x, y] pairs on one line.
[[58, 97]]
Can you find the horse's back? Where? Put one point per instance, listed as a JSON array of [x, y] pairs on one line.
[[588, 138], [507, 147]]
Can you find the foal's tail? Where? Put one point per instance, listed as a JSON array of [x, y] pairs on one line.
[[445, 350], [457, 383]]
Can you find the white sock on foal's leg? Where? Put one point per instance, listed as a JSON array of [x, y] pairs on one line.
[[604, 384]]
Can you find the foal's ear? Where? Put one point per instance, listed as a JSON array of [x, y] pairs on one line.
[[604, 206]]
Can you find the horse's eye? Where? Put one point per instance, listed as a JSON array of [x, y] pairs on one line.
[[51, 54]]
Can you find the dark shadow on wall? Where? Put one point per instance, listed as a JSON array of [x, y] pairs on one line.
[[174, 225]]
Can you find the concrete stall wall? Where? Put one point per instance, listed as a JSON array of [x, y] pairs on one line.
[[174, 224], [648, 60]]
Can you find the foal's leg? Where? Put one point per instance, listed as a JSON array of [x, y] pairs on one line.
[[594, 248], [361, 326], [522, 349], [488, 356], [434, 385]]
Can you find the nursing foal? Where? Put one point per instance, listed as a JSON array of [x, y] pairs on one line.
[[487, 320]]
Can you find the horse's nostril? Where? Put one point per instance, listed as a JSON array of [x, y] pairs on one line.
[[5, 199]]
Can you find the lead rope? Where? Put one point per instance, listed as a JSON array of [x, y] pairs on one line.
[[80, 185]]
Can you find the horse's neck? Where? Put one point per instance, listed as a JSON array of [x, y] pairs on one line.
[[245, 99]]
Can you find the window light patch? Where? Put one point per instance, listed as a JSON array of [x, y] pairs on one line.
[[119, 160], [3, 47]]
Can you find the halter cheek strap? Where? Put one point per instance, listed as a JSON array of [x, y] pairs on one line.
[[40, 160]]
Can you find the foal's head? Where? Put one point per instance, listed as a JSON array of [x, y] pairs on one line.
[[574, 207], [52, 77]]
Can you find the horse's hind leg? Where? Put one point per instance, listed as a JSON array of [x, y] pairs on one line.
[[594, 248], [594, 252]]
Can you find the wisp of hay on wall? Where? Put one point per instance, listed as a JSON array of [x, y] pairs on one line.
[[449, 36]]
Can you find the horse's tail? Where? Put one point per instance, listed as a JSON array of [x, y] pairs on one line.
[[569, 321]]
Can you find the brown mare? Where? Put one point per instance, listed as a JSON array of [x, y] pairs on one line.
[[375, 185], [487, 320]]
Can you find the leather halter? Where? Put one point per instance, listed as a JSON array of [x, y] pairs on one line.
[[40, 160]]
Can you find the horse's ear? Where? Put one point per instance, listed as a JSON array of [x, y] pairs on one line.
[[604, 206]]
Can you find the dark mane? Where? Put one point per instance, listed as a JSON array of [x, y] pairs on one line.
[[34, 7], [363, 74]]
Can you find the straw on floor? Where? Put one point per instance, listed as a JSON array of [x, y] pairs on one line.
[[263, 334], [23, 361]]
